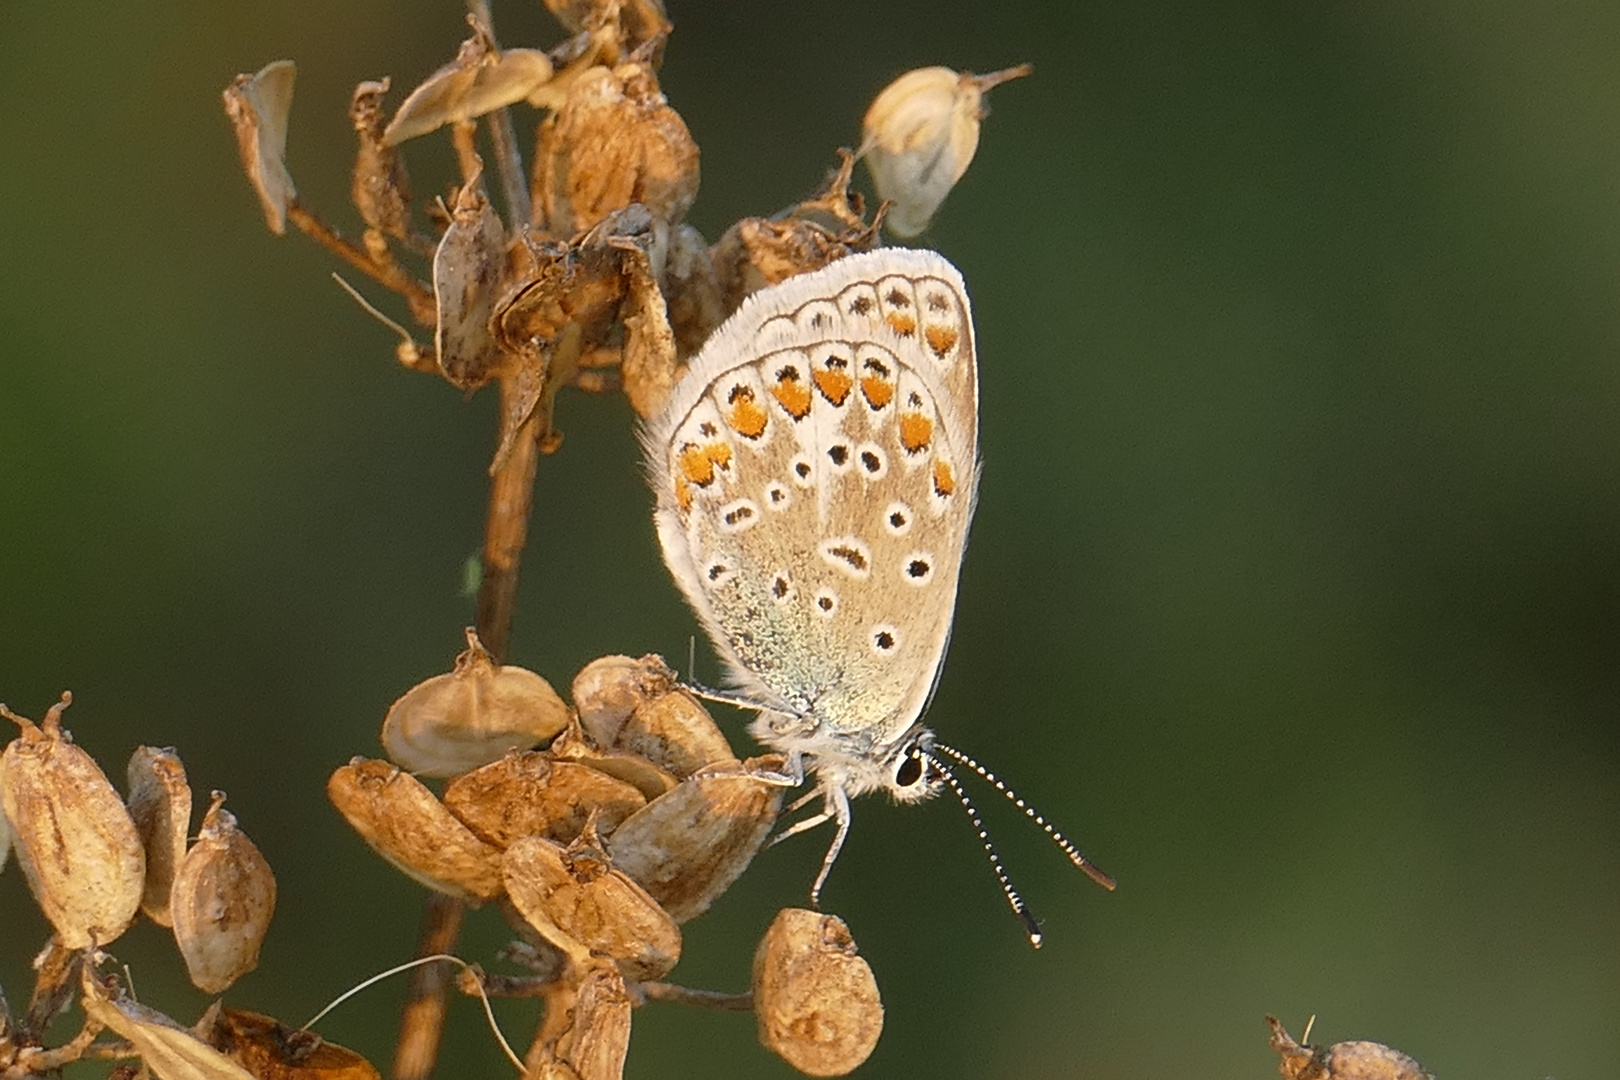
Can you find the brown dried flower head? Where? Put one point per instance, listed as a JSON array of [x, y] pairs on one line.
[[270, 1050], [920, 135], [258, 106], [589, 1038], [815, 998], [472, 716], [402, 821], [687, 846], [575, 900], [160, 806], [223, 898], [381, 188], [531, 794], [75, 841], [609, 688], [1359, 1060]]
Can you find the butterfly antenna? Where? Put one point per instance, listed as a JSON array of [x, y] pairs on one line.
[[1085, 865], [1020, 909]]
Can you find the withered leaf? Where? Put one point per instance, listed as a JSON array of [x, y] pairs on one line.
[[466, 275], [170, 1051], [258, 106], [160, 805], [270, 1050]]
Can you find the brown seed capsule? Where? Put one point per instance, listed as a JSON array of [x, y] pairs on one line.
[[381, 189], [168, 1050], [466, 277], [160, 806], [258, 106], [478, 81], [223, 897], [77, 845], [614, 141], [688, 846], [638, 772], [648, 370], [919, 136], [692, 292], [471, 716], [1358, 1060], [402, 821], [608, 688], [577, 902], [814, 996], [529, 794], [270, 1050], [586, 1032], [676, 733]]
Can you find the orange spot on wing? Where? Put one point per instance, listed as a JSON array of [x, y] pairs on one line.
[[694, 464], [683, 493], [794, 396], [916, 432], [904, 325], [944, 479], [879, 392], [719, 453], [941, 339], [746, 417], [834, 385]]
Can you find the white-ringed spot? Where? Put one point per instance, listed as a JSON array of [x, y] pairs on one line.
[[737, 516], [825, 602], [841, 457], [897, 519], [917, 568], [872, 461], [802, 472], [717, 573], [849, 554], [884, 639]]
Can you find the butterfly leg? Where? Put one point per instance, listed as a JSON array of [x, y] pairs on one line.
[[837, 807]]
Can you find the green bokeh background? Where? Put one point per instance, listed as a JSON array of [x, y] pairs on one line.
[[1293, 589]]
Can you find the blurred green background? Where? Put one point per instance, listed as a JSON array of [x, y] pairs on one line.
[[1293, 589]]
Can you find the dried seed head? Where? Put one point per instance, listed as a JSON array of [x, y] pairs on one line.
[[648, 370], [77, 845], [919, 135], [160, 806], [223, 897], [607, 689], [577, 902], [638, 772], [381, 189], [466, 276], [258, 106], [588, 1037], [814, 996], [266, 1047], [691, 290], [529, 794], [756, 252], [1358, 1060], [479, 80], [675, 732], [614, 141], [638, 20], [471, 716], [166, 1049], [688, 846], [402, 821]]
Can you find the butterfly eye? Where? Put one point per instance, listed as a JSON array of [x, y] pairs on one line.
[[910, 770]]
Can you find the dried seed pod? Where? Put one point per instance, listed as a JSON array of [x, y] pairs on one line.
[[223, 897], [648, 370], [160, 806], [402, 821], [688, 846], [608, 688], [576, 901], [586, 1032], [168, 1050], [77, 845], [381, 189], [5, 826], [675, 732], [529, 794], [270, 1050], [638, 772], [692, 292], [614, 141], [471, 716], [466, 276], [476, 82], [258, 106], [814, 996], [1359, 1060], [919, 135]]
